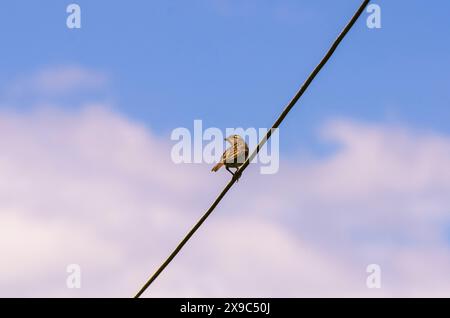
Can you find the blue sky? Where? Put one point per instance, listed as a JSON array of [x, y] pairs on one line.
[[89, 179], [237, 63]]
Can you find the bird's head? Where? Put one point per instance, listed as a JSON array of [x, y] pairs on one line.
[[233, 139]]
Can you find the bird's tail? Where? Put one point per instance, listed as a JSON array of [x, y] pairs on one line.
[[217, 166]]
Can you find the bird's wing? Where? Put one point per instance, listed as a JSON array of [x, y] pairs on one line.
[[230, 154], [235, 154]]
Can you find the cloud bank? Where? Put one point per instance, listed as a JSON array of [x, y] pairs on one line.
[[94, 188]]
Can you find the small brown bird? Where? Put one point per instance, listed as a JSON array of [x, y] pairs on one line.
[[234, 156]]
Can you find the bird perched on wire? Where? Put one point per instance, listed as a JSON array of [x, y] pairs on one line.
[[234, 156]]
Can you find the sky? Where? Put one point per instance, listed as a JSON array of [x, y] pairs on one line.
[[86, 175]]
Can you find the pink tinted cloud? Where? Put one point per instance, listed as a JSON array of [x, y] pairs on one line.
[[94, 188]]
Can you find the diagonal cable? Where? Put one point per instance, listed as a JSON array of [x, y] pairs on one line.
[[277, 123]]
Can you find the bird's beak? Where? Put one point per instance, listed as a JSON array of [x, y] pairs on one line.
[[225, 139]]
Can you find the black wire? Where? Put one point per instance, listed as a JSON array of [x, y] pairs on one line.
[[260, 145]]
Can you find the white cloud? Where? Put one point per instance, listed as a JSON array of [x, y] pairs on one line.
[[56, 80], [31, 247], [94, 188]]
